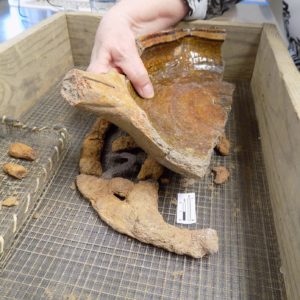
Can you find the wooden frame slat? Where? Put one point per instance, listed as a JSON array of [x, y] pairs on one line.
[[32, 63], [82, 29], [276, 90]]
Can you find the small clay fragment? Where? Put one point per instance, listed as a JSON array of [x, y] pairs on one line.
[[187, 182], [90, 160], [132, 209], [164, 180], [15, 170], [73, 186], [10, 201], [150, 169], [174, 201], [19, 150], [178, 273], [221, 174], [223, 146], [36, 215], [123, 143]]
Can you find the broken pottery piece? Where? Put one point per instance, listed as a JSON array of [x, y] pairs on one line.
[[10, 201], [23, 151], [182, 124], [223, 146], [150, 169], [123, 143], [132, 209], [221, 174], [15, 170]]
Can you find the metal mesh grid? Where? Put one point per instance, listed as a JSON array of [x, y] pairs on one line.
[[50, 145], [69, 253]]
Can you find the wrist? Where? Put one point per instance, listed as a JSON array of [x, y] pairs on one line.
[[148, 16]]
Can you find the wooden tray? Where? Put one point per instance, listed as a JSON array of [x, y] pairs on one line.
[[33, 62]]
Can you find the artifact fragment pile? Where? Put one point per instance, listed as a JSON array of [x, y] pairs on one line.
[[178, 128]]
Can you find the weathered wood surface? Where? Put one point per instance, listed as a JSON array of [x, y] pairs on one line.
[[276, 89], [32, 63], [82, 29]]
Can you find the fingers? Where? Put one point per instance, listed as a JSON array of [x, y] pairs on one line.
[[100, 62], [95, 67], [136, 72], [122, 55], [98, 67], [130, 64]]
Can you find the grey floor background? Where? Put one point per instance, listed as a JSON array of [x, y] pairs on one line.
[[69, 253]]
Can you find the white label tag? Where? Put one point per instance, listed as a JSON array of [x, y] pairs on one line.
[[186, 208]]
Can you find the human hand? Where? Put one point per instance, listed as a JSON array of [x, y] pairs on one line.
[[115, 46]]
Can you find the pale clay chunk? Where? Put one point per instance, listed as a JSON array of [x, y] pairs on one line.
[[150, 169], [223, 146], [123, 143], [23, 151], [15, 170], [10, 201], [221, 174]]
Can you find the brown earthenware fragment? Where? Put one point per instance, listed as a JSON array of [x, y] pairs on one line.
[[180, 126]]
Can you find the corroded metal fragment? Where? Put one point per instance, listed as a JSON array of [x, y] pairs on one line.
[[132, 209]]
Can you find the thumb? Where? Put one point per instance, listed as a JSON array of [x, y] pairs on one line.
[[98, 68], [99, 62], [136, 72]]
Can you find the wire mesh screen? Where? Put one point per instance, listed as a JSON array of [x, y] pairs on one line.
[[69, 253], [50, 145]]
